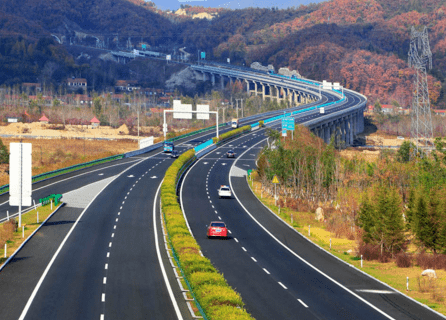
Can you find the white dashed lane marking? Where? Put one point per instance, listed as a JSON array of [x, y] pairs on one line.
[[302, 303], [283, 285], [267, 272]]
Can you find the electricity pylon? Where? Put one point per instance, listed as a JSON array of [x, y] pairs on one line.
[[420, 58]]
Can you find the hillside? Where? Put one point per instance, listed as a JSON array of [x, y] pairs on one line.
[[362, 44]]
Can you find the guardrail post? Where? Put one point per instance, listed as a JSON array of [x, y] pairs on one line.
[[407, 283], [7, 214]]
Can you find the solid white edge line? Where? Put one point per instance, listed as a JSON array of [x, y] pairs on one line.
[[37, 287], [296, 255], [158, 253], [302, 303]]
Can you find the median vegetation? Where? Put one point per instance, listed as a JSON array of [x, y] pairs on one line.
[[231, 133], [217, 299]]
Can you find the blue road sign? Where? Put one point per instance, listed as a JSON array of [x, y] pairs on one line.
[[288, 123]]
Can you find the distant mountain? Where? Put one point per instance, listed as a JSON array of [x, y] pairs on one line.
[[362, 44]]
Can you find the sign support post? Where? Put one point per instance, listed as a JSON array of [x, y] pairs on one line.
[[188, 112], [20, 162], [275, 181]]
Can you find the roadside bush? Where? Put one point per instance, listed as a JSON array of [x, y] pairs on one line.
[[431, 261], [228, 313], [203, 278], [369, 252], [218, 300], [403, 260], [213, 295], [195, 263], [231, 133]]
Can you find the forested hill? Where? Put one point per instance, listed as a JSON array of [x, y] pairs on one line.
[[361, 43]]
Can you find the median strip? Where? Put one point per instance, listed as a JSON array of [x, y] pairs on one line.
[[213, 297]]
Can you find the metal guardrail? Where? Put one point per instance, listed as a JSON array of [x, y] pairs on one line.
[[203, 145], [47, 175]]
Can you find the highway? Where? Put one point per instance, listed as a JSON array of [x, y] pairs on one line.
[[96, 257], [278, 273]]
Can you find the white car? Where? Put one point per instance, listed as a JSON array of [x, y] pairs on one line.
[[224, 192]]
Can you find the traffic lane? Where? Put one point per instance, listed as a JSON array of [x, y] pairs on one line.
[[324, 297], [230, 259], [68, 182], [81, 263], [396, 305], [17, 279], [134, 269]]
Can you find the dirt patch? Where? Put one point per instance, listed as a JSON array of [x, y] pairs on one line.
[[367, 155], [53, 131], [53, 154]]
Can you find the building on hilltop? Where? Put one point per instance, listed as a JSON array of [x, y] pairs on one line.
[[77, 83]]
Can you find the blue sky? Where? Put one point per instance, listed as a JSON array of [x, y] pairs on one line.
[[232, 4]]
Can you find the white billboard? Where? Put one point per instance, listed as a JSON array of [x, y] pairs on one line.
[[326, 85], [144, 143], [204, 108], [178, 106], [20, 174], [168, 57]]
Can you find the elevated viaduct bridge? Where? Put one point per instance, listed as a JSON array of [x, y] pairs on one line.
[[325, 111]]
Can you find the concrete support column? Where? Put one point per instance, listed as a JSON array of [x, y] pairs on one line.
[[255, 88], [247, 86], [327, 133], [222, 81], [289, 94], [277, 94], [213, 79], [350, 128], [263, 91], [342, 127]]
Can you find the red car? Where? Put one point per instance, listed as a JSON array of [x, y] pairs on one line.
[[217, 229]]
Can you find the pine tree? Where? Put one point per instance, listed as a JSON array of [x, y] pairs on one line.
[[425, 229], [366, 219], [393, 221], [442, 228], [4, 153]]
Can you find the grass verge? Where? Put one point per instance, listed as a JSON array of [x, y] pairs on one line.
[[29, 221]]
